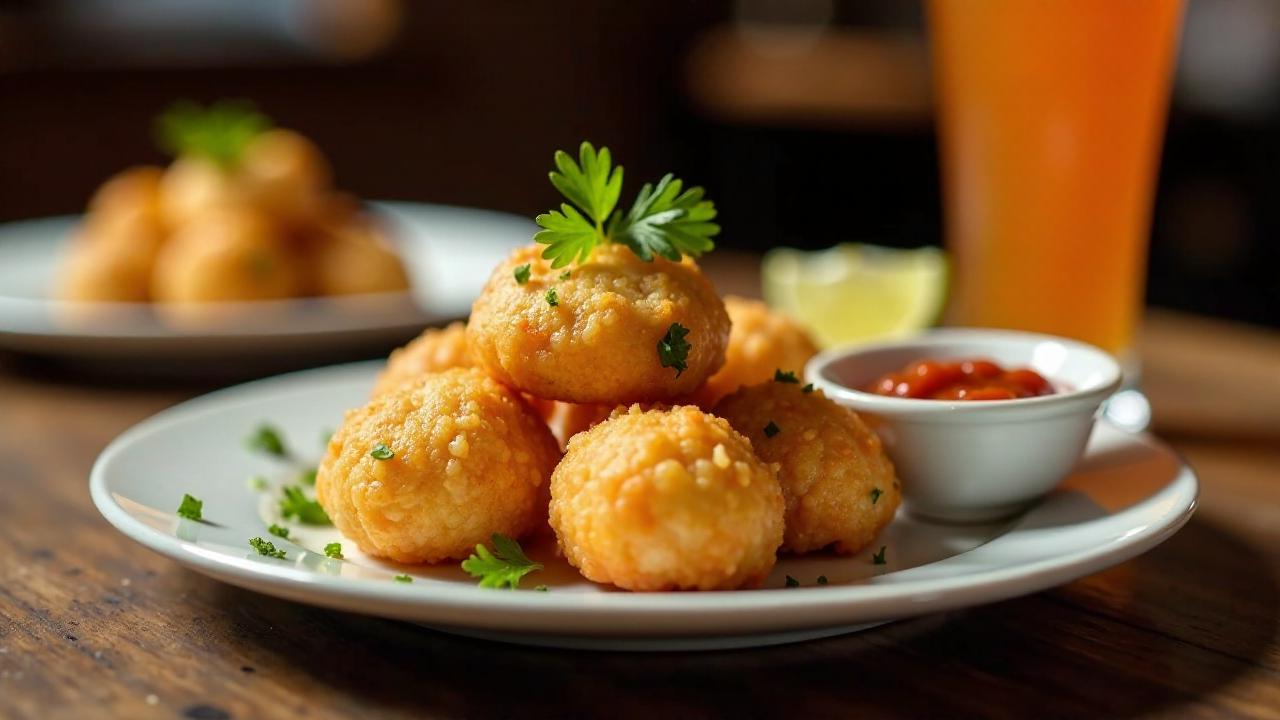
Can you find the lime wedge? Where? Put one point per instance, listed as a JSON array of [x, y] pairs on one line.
[[853, 293]]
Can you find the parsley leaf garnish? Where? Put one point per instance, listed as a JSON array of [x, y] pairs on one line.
[[822, 580], [266, 439], [785, 377], [265, 547], [333, 550], [771, 429], [564, 275], [257, 482], [792, 582], [664, 220], [521, 274], [402, 578], [504, 566], [278, 531], [875, 495], [552, 298], [219, 132], [673, 349], [878, 558], [191, 508], [381, 452], [807, 388], [295, 504]]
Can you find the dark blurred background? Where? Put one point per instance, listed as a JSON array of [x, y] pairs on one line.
[[809, 121]]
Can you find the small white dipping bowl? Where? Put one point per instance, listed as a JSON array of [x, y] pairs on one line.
[[972, 461]]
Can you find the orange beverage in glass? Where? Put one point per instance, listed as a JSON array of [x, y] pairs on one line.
[[1051, 120]]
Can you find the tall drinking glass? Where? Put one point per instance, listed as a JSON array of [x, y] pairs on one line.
[[1051, 120]]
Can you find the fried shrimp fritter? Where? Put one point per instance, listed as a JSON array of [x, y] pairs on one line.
[[761, 342], [468, 458], [590, 333], [666, 499], [434, 350], [839, 484]]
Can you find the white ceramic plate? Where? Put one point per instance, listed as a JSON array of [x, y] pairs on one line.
[[448, 251], [1130, 493]]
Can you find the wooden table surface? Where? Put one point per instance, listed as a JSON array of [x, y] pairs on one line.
[[94, 625]]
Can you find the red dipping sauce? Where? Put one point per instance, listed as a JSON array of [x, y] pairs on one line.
[[961, 380]]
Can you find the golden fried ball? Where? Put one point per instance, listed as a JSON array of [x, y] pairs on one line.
[[666, 499], [354, 260], [283, 174], [470, 459], [839, 484], [132, 191], [230, 254], [761, 342], [599, 342], [111, 258], [194, 185], [434, 350]]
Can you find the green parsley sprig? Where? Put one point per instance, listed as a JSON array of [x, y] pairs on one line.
[[296, 504], [266, 439], [665, 220], [333, 550], [191, 508], [505, 565], [673, 349], [219, 131], [266, 548]]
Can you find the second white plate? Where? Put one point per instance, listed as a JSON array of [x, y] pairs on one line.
[[448, 252], [1130, 493]]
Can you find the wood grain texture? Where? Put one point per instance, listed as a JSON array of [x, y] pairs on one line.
[[93, 625]]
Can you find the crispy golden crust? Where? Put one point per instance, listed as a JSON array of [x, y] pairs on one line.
[[471, 458], [599, 343], [436, 349], [761, 342], [830, 465], [111, 258], [666, 499]]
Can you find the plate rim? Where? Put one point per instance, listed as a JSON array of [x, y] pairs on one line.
[[908, 597]]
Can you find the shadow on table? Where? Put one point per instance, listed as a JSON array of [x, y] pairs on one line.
[[1171, 627]]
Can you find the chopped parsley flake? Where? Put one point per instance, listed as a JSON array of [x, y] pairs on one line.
[[673, 349], [266, 439], [333, 550], [381, 452], [552, 298], [296, 504], [280, 532], [878, 558], [191, 508], [822, 580], [257, 482], [875, 495], [771, 429], [541, 588], [521, 274], [402, 578], [785, 377], [265, 548], [504, 566], [792, 582], [564, 275], [807, 388]]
